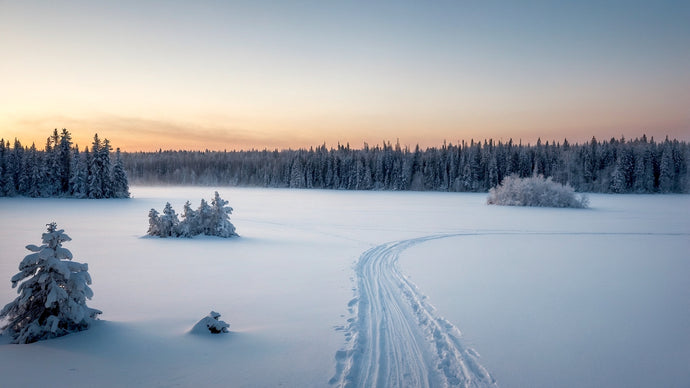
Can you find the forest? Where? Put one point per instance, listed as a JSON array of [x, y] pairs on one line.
[[61, 170], [641, 165]]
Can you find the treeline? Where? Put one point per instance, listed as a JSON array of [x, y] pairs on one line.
[[61, 170], [622, 166]]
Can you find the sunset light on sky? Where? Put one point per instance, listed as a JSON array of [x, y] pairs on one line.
[[240, 75]]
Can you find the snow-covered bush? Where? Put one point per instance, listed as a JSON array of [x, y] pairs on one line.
[[212, 324], [535, 191], [211, 220], [52, 296]]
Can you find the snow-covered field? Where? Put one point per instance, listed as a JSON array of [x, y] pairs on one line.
[[328, 286]]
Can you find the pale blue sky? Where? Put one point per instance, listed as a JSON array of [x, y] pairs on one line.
[[274, 74]]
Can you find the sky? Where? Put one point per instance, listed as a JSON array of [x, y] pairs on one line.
[[278, 74]]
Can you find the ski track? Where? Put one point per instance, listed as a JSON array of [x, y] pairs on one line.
[[395, 338]]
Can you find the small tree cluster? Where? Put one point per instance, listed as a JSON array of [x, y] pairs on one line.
[[52, 296], [210, 220], [62, 170], [535, 191]]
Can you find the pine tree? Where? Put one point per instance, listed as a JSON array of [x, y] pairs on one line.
[[64, 158], [120, 186], [154, 223], [106, 168], [205, 217], [3, 167], [95, 181], [220, 224], [80, 174], [168, 222], [189, 226], [52, 294], [666, 168]]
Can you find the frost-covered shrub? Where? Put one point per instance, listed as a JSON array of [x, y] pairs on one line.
[[210, 220], [535, 191], [52, 296], [212, 324]]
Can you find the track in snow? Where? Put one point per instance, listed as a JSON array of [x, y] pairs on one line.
[[395, 338]]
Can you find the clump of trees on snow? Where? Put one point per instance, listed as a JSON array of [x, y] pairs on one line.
[[210, 220], [62, 170], [535, 191], [620, 165], [52, 294]]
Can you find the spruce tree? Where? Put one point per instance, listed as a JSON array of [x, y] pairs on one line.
[[154, 223], [189, 226], [120, 186], [220, 224], [64, 151], [95, 181], [168, 222], [52, 294]]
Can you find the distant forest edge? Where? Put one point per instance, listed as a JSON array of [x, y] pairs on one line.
[[61, 170], [615, 166]]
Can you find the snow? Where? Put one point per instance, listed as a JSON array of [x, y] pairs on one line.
[[546, 297], [210, 324]]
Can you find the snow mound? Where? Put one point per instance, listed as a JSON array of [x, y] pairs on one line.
[[210, 324]]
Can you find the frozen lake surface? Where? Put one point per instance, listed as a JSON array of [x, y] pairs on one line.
[[546, 297]]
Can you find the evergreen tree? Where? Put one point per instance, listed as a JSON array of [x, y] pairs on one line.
[[120, 186], [220, 224], [65, 161], [667, 171], [3, 167], [106, 169], [205, 217], [80, 182], [168, 222], [154, 224], [189, 226], [95, 182], [52, 294]]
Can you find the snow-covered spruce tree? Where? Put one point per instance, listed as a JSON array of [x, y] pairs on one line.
[[220, 224], [120, 184], [189, 226], [52, 295], [205, 218], [154, 223], [535, 191], [168, 222]]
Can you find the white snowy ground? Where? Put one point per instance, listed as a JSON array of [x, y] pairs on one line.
[[548, 297]]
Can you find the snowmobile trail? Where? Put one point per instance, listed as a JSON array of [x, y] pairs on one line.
[[395, 338]]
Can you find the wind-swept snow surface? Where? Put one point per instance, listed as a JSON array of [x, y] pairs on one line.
[[566, 298], [397, 339]]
